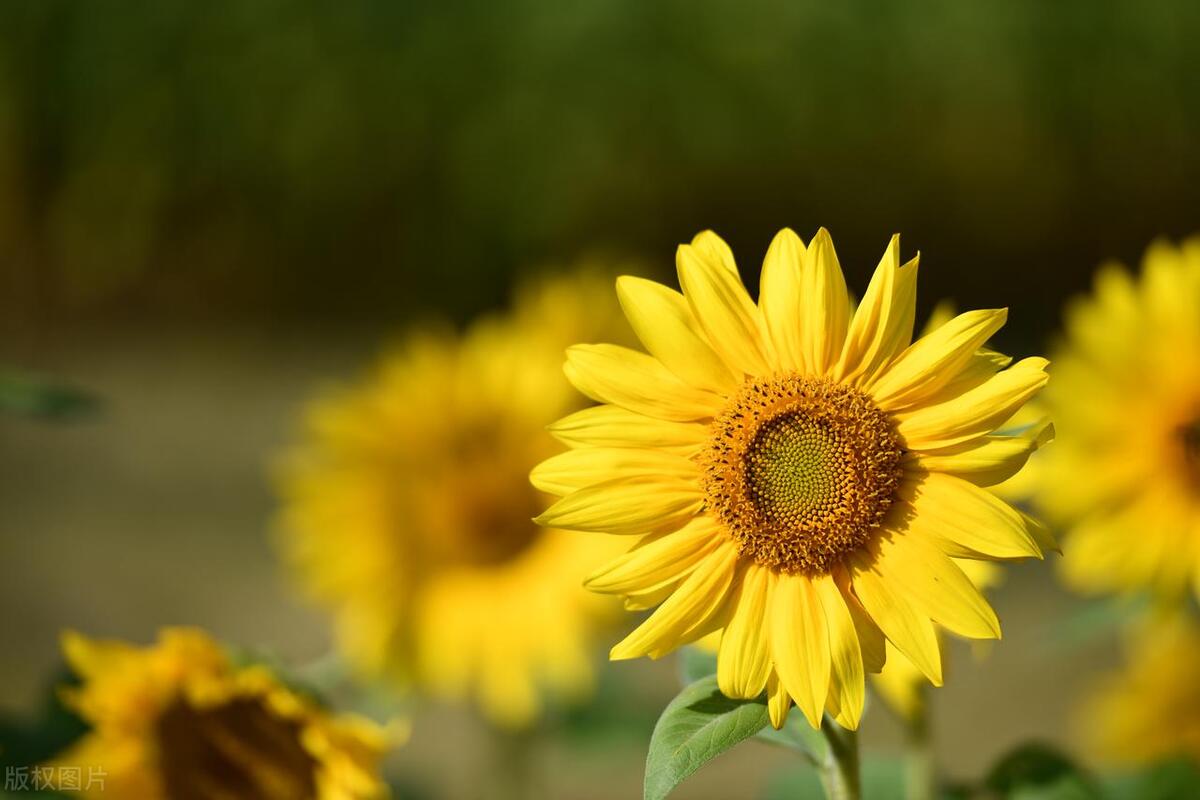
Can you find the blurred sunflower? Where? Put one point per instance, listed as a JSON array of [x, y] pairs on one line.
[[1150, 711], [798, 473], [408, 511], [178, 720], [1127, 388]]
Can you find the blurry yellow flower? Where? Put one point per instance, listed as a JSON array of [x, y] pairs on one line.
[[178, 720], [1124, 474], [1151, 710], [798, 474], [408, 510]]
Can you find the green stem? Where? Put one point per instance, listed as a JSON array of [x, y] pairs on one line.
[[512, 773], [920, 774], [839, 767]]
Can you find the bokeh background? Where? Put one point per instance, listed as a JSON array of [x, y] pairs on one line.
[[209, 210]]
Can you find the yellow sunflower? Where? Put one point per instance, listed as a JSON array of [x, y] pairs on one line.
[[179, 720], [797, 473], [1150, 710], [408, 511], [1127, 388]]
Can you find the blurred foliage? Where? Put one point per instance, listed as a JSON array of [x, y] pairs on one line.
[[26, 741], [367, 155], [1173, 780], [27, 396], [882, 779], [1034, 771]]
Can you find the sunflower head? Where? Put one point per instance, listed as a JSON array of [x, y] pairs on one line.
[[1149, 710], [797, 473], [179, 720], [1127, 385], [408, 510]]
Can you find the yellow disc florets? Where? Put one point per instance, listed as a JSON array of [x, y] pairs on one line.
[[801, 470]]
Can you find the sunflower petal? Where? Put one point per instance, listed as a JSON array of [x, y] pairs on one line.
[[713, 247], [687, 613], [979, 370], [613, 426], [779, 297], [870, 639], [657, 561], [911, 632], [644, 601], [744, 661], [934, 585], [574, 469], [950, 509], [847, 686], [975, 412], [988, 460], [800, 644], [664, 323], [934, 360], [90, 657], [724, 310], [778, 701], [625, 506], [825, 314], [883, 324], [636, 381]]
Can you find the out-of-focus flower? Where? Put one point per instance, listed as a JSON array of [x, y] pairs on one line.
[[799, 474], [1123, 477], [409, 510], [1150, 710], [178, 720]]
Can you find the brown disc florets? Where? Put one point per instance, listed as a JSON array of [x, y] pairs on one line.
[[800, 470], [1189, 437]]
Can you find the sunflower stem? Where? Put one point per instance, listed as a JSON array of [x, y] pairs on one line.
[[512, 775], [839, 767], [920, 771]]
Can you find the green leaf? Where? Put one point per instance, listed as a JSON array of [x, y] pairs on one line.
[[698, 725], [1038, 772], [696, 663], [27, 396]]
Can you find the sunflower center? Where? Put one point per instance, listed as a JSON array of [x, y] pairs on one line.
[[801, 470], [1189, 437], [476, 509], [237, 749]]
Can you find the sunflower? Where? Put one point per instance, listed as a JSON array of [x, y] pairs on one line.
[[1150, 709], [1127, 387], [408, 511], [795, 473], [178, 720]]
